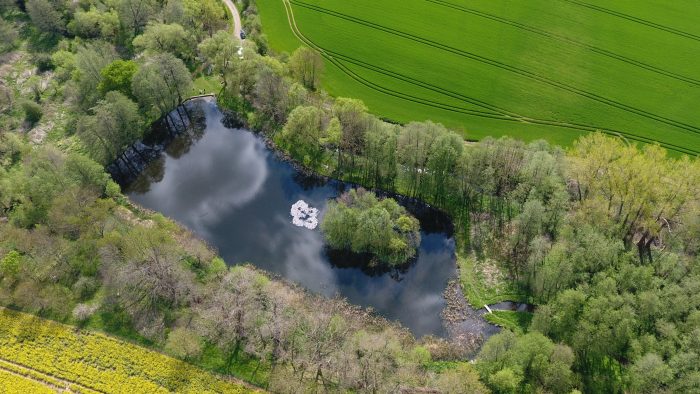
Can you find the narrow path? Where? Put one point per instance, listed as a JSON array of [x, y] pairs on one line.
[[236, 18]]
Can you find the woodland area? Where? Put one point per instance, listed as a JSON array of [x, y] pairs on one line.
[[604, 237]]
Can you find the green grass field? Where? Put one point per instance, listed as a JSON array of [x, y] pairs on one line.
[[512, 320], [552, 69]]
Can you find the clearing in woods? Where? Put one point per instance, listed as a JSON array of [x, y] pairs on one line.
[[551, 69]]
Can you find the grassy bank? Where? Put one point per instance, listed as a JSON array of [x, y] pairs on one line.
[[483, 283], [512, 320]]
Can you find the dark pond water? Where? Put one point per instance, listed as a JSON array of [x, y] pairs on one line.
[[230, 189], [512, 306]]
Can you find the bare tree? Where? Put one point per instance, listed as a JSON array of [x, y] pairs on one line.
[[148, 278]]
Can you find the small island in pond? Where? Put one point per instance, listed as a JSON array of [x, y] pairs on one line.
[[360, 222]]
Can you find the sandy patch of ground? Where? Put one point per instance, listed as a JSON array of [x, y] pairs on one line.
[[129, 217]]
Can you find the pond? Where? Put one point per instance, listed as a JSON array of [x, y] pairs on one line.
[[229, 188]]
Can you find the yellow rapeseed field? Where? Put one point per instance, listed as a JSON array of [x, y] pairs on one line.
[[38, 355], [11, 384]]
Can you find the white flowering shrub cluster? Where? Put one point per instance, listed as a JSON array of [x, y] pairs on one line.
[[303, 215]]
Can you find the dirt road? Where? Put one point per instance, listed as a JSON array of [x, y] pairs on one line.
[[236, 18]]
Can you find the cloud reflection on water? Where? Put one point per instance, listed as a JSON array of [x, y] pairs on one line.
[[192, 197], [230, 190]]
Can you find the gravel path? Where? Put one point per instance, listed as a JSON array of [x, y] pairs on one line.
[[236, 18]]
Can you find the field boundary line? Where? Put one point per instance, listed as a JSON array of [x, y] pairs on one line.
[[18, 369], [52, 386], [524, 73], [645, 22], [572, 41], [580, 127]]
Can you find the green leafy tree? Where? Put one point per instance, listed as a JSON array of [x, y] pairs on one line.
[[380, 153], [135, 14], [45, 16], [306, 66], [302, 134], [650, 374], [353, 118], [114, 125], [270, 95], [174, 12], [613, 182], [507, 359], [207, 16], [444, 154], [505, 381], [166, 38], [462, 379], [117, 76], [414, 147], [95, 24], [221, 52], [161, 83], [8, 35], [90, 60]]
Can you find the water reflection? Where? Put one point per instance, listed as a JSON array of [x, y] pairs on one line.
[[231, 190]]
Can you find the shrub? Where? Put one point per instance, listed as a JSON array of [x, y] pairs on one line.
[[32, 112], [82, 312], [184, 343], [10, 263], [85, 287], [43, 62]]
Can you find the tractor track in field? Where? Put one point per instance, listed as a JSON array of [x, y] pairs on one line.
[[423, 84], [570, 41], [645, 22], [504, 66], [420, 100], [49, 380], [330, 56], [511, 115]]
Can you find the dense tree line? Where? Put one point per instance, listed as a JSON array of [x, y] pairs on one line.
[[117, 66]]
